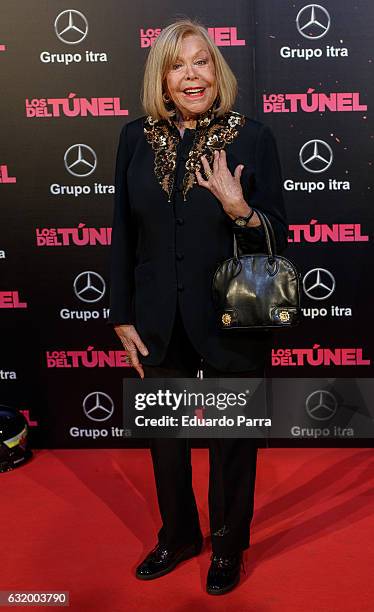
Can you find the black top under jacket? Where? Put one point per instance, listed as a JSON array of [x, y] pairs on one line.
[[163, 251]]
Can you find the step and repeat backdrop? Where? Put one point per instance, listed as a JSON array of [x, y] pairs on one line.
[[71, 77]]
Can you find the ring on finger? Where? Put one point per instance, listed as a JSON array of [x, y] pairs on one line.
[[208, 173]]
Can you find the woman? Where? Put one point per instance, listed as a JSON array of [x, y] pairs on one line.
[[187, 174]]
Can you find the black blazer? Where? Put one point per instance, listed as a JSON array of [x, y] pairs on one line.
[[163, 251]]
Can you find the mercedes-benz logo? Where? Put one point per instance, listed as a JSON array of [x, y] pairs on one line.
[[318, 284], [89, 286], [71, 27], [313, 21], [316, 156], [98, 406], [80, 160], [321, 405]]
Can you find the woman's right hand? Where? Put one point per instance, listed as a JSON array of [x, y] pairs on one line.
[[132, 343]]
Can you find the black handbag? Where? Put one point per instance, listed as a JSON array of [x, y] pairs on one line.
[[259, 290]]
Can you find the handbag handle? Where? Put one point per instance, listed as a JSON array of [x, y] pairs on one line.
[[269, 236]]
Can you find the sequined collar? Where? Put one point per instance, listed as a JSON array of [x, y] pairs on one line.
[[211, 133]]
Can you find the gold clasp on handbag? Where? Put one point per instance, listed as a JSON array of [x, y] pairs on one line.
[[226, 318], [284, 315]]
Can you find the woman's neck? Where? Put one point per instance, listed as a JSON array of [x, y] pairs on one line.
[[182, 122]]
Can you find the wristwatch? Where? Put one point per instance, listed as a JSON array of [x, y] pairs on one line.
[[242, 221]]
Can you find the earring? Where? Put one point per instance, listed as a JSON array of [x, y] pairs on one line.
[[169, 104]]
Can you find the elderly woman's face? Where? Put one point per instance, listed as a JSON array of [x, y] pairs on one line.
[[191, 80]]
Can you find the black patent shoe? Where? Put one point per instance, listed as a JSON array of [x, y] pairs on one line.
[[224, 573], [161, 560]]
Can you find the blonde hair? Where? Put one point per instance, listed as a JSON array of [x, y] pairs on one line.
[[164, 53]]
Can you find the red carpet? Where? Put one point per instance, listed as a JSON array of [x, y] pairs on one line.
[[81, 521]]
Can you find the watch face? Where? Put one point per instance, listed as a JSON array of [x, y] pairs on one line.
[[241, 222]]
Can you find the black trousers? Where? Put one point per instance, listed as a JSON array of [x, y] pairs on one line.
[[232, 466]]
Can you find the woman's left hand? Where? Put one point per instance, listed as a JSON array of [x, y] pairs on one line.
[[225, 186]]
